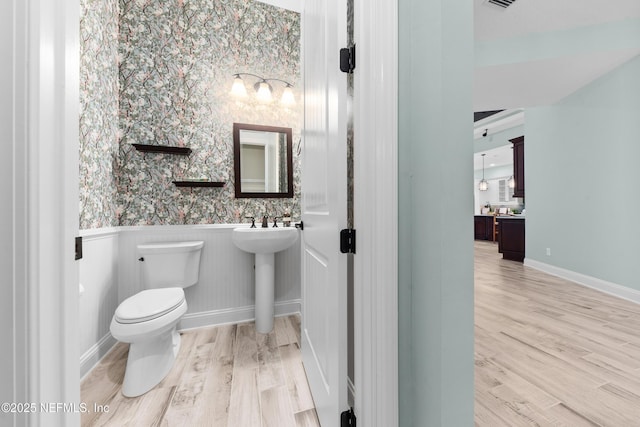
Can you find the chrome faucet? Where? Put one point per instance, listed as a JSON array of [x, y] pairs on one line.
[[265, 222]]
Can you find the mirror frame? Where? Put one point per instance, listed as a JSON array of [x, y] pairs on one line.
[[237, 127]]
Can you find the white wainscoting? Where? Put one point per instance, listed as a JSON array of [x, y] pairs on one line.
[[99, 278], [582, 279], [110, 272], [226, 273]]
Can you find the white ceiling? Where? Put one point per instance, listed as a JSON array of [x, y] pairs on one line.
[[495, 157], [539, 16], [544, 82], [528, 84]]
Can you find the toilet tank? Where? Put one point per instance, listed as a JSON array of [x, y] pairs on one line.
[[171, 264]]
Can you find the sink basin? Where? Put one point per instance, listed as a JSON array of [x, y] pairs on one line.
[[264, 243], [264, 240]]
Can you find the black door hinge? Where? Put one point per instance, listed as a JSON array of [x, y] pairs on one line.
[[348, 59], [78, 248], [348, 241], [348, 418]]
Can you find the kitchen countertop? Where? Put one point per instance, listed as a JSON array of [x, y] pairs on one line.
[[503, 216]]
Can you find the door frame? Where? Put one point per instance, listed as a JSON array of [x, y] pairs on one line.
[[13, 225], [49, 104], [46, 109], [376, 212]]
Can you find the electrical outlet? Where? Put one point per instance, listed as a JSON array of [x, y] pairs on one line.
[[548, 251]]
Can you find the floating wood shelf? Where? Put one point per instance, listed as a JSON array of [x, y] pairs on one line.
[[198, 184], [148, 148]]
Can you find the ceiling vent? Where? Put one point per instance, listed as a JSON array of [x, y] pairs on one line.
[[501, 3]]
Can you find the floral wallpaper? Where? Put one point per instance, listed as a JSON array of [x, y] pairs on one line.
[[176, 61], [99, 112]]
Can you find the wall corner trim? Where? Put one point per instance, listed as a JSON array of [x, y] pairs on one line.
[[604, 286]]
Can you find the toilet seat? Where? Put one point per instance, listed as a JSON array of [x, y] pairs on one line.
[[148, 305]]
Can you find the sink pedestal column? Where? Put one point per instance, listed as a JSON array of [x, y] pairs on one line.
[[264, 243], [265, 277]]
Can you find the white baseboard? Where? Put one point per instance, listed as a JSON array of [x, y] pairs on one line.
[[91, 357], [190, 321], [588, 281], [234, 315]]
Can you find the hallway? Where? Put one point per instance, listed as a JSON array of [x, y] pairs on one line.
[[550, 352]]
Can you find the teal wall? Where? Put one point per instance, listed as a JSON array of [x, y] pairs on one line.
[[583, 177], [435, 244]]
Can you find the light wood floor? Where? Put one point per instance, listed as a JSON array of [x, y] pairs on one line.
[[549, 352], [225, 376]]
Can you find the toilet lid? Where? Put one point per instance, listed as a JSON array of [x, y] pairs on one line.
[[149, 304]]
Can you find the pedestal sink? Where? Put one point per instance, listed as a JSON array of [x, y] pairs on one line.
[[264, 243]]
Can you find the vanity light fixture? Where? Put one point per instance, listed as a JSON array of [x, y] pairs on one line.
[[511, 182], [263, 89], [483, 185]]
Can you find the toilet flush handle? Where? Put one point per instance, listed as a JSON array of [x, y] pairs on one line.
[[141, 258]]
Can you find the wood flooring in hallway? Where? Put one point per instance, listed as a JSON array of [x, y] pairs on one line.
[[224, 376], [549, 352]]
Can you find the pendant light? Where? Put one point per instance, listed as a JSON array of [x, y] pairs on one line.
[[483, 185]]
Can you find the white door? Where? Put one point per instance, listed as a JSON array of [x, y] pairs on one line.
[[324, 208]]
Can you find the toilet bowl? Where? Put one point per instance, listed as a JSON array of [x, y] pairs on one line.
[[148, 319], [148, 322]]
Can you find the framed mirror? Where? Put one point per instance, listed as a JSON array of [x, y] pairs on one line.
[[262, 161]]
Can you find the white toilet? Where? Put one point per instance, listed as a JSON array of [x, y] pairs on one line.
[[148, 319]]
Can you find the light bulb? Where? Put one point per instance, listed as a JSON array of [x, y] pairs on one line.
[[238, 88], [287, 96], [263, 91]]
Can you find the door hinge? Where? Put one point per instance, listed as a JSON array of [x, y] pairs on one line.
[[78, 247], [348, 59], [348, 241], [348, 418]]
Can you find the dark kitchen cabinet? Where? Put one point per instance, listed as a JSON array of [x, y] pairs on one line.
[[518, 165], [483, 227], [511, 238]]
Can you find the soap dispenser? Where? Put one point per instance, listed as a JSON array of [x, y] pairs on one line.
[[286, 219]]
